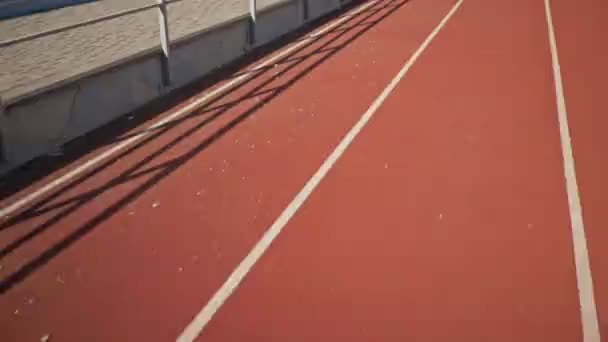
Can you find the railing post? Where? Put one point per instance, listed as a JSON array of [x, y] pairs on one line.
[[164, 41], [2, 151], [305, 10], [252, 21]]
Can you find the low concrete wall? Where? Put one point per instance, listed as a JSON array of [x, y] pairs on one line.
[[278, 21], [40, 124], [195, 57], [319, 8], [34, 126]]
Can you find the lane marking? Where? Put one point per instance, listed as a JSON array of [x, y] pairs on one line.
[[591, 331], [202, 318], [198, 102]]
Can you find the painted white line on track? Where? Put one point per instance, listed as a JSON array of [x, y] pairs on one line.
[[197, 103], [199, 322], [591, 331]]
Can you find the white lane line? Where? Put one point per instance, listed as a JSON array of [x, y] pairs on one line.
[[591, 331], [198, 102], [199, 322]]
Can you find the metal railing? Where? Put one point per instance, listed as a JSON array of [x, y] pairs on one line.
[[165, 42], [111, 16]]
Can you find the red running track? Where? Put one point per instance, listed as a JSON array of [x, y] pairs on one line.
[[445, 219]]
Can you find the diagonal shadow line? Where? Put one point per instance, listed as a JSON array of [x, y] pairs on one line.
[[157, 132], [88, 195], [58, 205], [37, 169], [33, 210], [120, 179], [23, 272], [334, 30], [287, 59], [347, 28], [342, 15], [132, 176], [41, 167], [199, 112], [43, 258], [259, 70]]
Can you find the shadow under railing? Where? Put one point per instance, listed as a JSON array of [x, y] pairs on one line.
[[355, 26]]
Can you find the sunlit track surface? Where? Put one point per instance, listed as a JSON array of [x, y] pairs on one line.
[[420, 142]]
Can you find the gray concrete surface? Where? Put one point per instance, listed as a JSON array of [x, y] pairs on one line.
[[278, 22], [319, 8], [34, 65], [191, 60]]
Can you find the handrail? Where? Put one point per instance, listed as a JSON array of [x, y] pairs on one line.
[[165, 41], [111, 16]]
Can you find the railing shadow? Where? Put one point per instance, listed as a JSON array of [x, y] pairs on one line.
[[322, 53], [123, 129], [118, 129]]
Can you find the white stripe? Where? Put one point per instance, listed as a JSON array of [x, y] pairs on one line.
[[198, 102], [204, 316], [591, 332]]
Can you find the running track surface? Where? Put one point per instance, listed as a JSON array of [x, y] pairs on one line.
[[446, 218]]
